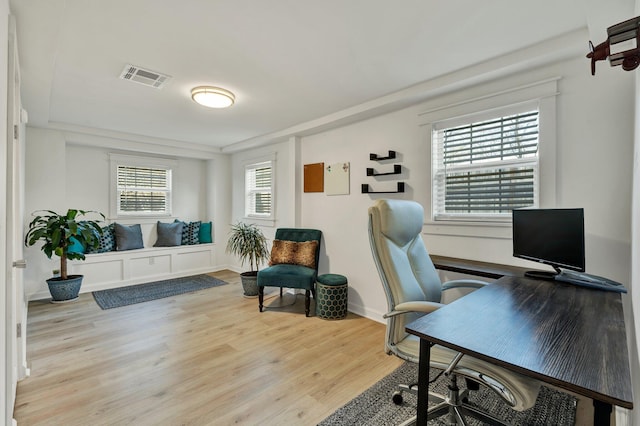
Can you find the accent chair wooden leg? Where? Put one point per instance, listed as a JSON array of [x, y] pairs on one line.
[[307, 302], [260, 297], [280, 291]]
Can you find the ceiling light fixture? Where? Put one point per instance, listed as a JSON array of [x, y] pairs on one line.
[[212, 97]]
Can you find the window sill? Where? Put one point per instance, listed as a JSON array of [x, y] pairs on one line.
[[260, 221], [498, 230], [140, 217]]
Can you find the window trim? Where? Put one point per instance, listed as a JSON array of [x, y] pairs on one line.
[[530, 162], [254, 164], [117, 160], [544, 92]]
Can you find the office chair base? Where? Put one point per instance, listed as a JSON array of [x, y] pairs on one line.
[[456, 413], [455, 405], [397, 395]]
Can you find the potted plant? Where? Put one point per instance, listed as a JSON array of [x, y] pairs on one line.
[[60, 233], [249, 243]]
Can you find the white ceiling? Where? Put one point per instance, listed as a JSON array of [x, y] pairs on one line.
[[287, 61]]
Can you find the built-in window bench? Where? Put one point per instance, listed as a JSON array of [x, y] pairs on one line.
[[122, 268]]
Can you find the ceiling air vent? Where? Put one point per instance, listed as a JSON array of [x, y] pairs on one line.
[[143, 76]]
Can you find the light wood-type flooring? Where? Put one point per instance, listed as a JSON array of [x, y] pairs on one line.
[[205, 358]]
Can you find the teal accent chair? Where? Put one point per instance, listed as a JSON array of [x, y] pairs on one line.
[[291, 276]]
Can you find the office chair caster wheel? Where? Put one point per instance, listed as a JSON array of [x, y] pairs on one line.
[[397, 398]]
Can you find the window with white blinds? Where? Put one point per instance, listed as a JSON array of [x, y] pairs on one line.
[[140, 186], [259, 190], [485, 168], [143, 190]]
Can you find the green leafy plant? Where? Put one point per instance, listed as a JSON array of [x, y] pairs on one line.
[[58, 233], [248, 243]]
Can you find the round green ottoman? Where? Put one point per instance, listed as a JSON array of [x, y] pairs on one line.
[[331, 298]]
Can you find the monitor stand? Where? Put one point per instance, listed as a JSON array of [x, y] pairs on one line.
[[541, 275]]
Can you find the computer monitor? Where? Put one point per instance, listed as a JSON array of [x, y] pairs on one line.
[[554, 237]]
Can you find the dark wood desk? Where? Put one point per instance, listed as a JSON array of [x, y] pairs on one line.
[[567, 336]]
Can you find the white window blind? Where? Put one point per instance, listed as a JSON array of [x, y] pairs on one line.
[[259, 189], [486, 168], [143, 190]]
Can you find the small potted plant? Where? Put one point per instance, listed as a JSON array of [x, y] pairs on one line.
[[249, 243], [60, 233]]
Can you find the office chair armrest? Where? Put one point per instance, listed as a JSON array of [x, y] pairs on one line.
[[464, 284], [417, 306]]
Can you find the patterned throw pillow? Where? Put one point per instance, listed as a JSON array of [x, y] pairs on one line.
[[190, 233], [306, 254], [294, 253], [107, 240], [282, 251]]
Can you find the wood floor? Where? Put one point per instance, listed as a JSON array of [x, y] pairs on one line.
[[206, 358]]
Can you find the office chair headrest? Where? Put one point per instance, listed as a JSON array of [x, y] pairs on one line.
[[401, 220]]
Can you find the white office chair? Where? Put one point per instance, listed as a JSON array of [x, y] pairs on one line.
[[414, 289]]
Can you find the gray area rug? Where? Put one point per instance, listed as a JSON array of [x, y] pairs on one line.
[[123, 296], [375, 408]]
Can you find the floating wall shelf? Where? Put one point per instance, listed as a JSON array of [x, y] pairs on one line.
[[367, 190], [374, 157], [397, 169]]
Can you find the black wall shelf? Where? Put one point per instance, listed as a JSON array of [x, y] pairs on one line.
[[397, 169], [367, 190], [374, 157]]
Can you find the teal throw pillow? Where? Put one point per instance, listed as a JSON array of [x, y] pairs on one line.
[[204, 236], [76, 246]]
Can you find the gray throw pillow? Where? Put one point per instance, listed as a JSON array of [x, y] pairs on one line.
[[169, 234], [128, 237]]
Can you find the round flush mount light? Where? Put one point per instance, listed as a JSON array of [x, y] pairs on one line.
[[212, 97]]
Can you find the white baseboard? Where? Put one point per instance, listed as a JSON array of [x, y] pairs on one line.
[[367, 313]]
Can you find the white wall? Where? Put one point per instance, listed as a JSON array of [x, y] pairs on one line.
[[87, 183], [63, 173], [593, 154], [343, 218], [45, 159]]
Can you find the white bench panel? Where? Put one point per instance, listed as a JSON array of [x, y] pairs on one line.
[[148, 266], [110, 271]]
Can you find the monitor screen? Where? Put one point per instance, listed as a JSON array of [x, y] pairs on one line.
[[551, 236]]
